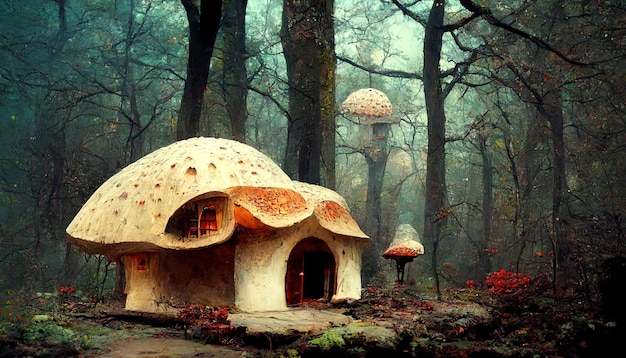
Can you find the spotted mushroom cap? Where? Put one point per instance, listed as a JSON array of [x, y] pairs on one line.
[[331, 210], [131, 210], [370, 106], [405, 244]]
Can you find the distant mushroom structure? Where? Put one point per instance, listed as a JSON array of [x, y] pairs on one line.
[[216, 222], [373, 112], [370, 106], [404, 248]]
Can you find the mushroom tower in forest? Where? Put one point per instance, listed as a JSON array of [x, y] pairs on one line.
[[403, 249], [216, 222], [373, 112]]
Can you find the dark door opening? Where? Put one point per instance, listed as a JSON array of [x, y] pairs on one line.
[[310, 272], [317, 275]]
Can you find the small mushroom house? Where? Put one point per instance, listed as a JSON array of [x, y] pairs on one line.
[[216, 222], [404, 248], [373, 111]]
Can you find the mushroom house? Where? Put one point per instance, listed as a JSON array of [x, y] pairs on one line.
[[216, 222], [373, 112]]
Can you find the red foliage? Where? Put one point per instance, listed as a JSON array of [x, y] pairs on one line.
[[424, 305], [213, 323], [507, 283], [66, 290]]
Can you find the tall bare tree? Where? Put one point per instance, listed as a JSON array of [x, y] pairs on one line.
[[435, 210], [307, 37], [203, 17], [234, 77]]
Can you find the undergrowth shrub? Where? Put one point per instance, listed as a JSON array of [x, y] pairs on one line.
[[206, 323]]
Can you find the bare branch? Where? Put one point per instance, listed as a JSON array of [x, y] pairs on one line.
[[387, 73], [486, 14]]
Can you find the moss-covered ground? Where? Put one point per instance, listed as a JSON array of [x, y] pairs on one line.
[[394, 322]]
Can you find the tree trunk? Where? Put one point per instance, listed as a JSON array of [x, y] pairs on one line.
[[204, 21], [487, 175], [376, 157], [57, 153], [328, 109], [552, 108], [308, 45], [234, 80], [554, 114], [128, 98], [435, 211], [524, 177]]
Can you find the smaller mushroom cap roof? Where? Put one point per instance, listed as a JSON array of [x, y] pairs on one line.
[[406, 243], [330, 209], [370, 106]]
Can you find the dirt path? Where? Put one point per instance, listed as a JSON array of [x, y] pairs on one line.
[[167, 347]]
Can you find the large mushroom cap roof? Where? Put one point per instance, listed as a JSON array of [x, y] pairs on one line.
[[134, 205], [370, 106], [405, 244]]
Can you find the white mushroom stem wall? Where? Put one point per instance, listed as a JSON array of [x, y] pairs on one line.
[[260, 268], [169, 279], [141, 292], [349, 270], [261, 265], [249, 271]]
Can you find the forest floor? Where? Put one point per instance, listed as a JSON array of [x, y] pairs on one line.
[[396, 322]]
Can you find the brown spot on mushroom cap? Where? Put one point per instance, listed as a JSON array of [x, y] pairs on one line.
[[370, 106], [405, 244]]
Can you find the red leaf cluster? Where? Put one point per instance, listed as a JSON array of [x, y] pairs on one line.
[[470, 284], [200, 314], [507, 283], [66, 290], [212, 322]]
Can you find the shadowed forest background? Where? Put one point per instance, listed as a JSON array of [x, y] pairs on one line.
[[508, 152]]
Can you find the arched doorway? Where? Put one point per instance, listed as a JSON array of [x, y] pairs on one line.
[[311, 271]]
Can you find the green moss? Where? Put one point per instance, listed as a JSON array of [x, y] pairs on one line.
[[47, 331], [358, 334], [95, 338], [290, 353], [462, 344], [41, 318], [328, 341]]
